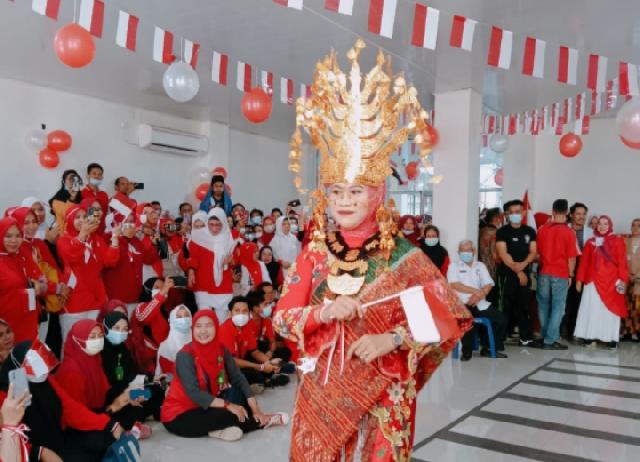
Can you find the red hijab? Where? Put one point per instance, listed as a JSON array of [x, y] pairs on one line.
[[70, 217], [369, 226], [266, 237], [208, 357], [5, 225], [413, 238], [20, 215], [109, 308], [247, 253], [77, 362]]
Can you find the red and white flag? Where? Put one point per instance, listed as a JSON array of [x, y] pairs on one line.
[[39, 360], [533, 62], [382, 15], [462, 30], [340, 6], [266, 81], [286, 90], [49, 8], [596, 103], [612, 93], [597, 73], [581, 126], [163, 46], [127, 31], [628, 79], [529, 218], [92, 16], [243, 76], [512, 124], [566, 110], [555, 114], [297, 4], [500, 46], [219, 67], [580, 105], [568, 65], [425, 27], [191, 52], [305, 90]]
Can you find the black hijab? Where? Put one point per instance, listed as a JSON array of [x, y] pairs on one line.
[[117, 362], [63, 195], [436, 253], [273, 268]]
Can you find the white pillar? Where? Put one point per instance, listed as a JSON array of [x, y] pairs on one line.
[[457, 158]]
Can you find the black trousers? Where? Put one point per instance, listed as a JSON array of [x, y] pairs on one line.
[[515, 303], [498, 324], [129, 415], [84, 446], [282, 352], [571, 312]]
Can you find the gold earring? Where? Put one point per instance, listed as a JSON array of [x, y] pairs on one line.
[[319, 235], [388, 229]]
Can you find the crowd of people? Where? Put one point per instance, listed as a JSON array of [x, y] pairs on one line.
[[120, 311]]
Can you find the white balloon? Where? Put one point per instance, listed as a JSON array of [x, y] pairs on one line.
[[499, 143], [36, 140], [200, 175], [628, 120], [181, 82]]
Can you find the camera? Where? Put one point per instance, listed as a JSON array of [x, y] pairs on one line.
[[138, 186], [294, 203], [91, 213], [77, 183], [172, 227]]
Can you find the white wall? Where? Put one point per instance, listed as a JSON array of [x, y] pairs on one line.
[[519, 168]]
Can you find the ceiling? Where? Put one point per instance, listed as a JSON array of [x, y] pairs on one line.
[[289, 42]]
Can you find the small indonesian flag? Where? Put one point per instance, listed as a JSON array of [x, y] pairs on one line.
[[555, 114], [491, 124], [191, 51], [462, 30], [243, 76], [581, 127], [127, 31], [49, 8], [612, 93], [533, 63], [425, 27], [512, 124], [382, 15], [92, 16], [219, 68], [266, 81], [163, 46], [597, 73], [39, 360], [305, 91], [566, 111], [628, 79], [580, 105], [340, 6], [596, 103], [297, 4], [500, 47], [286, 91], [568, 65]]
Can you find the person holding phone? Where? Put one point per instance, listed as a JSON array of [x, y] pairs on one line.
[[67, 196], [13, 446]]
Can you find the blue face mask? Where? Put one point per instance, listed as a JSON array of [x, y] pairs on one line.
[[266, 311], [182, 325], [256, 220], [116, 337], [515, 218], [466, 257]]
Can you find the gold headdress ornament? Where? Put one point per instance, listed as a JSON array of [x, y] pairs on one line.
[[357, 122]]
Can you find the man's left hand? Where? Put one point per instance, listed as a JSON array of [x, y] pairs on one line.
[[370, 347]]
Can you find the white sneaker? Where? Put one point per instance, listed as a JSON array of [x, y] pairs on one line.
[[591, 346], [277, 419], [227, 434]]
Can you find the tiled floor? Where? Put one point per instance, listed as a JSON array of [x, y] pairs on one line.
[[570, 406]]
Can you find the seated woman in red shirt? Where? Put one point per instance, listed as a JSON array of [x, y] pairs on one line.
[[179, 336], [209, 395]]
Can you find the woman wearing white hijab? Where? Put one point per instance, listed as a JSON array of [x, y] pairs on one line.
[[209, 264], [40, 209], [285, 245], [179, 336]]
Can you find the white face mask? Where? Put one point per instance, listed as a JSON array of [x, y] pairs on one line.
[[269, 228], [95, 182], [154, 292], [258, 234], [240, 320], [94, 346], [294, 228], [39, 378]]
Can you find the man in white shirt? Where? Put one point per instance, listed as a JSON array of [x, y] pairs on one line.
[[472, 282]]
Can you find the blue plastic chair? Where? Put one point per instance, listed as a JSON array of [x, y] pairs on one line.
[[486, 322]]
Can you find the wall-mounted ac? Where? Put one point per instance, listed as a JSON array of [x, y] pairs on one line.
[[172, 141]]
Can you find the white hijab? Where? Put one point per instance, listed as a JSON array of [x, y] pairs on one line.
[[176, 340], [286, 247], [42, 227], [221, 245]]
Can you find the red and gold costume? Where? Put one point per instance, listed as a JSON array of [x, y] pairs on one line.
[[348, 410]]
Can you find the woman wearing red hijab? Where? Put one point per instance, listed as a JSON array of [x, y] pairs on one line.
[[95, 206], [604, 274], [269, 231], [209, 395], [84, 255], [409, 228], [18, 291], [253, 272]]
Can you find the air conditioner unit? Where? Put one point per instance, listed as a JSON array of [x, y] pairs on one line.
[[171, 141]]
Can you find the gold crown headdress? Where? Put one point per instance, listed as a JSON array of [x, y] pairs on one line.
[[357, 122]]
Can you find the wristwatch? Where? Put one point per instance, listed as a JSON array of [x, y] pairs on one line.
[[397, 339]]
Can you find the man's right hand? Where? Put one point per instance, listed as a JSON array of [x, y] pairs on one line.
[[522, 277]]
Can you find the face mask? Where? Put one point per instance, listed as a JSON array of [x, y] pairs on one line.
[[240, 320], [269, 228], [406, 232], [259, 234], [250, 236], [154, 292], [115, 337], [94, 346], [182, 325], [266, 311], [95, 182], [38, 378], [466, 257], [242, 230], [294, 228], [515, 218], [257, 220], [431, 241]]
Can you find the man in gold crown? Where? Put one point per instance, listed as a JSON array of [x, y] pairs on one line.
[[343, 302]]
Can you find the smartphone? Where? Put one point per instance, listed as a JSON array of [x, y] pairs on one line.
[[143, 393], [138, 186], [92, 212], [18, 377]]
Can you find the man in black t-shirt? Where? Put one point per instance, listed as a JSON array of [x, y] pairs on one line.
[[516, 246]]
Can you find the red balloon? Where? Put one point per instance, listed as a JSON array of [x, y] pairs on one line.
[[74, 46], [256, 105], [628, 143], [49, 158], [227, 188], [433, 135], [412, 170], [59, 140], [570, 145], [220, 171], [201, 191], [499, 177]]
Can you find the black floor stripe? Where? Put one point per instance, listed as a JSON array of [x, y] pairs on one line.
[[557, 427], [568, 386], [569, 405], [512, 449], [589, 363], [624, 378]]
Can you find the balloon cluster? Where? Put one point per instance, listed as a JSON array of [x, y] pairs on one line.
[[49, 145]]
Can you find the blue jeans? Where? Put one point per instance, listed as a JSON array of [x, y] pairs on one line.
[[552, 300]]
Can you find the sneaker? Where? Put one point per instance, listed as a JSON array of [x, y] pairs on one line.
[[257, 388], [288, 368], [278, 380], [277, 419], [526, 343], [466, 356], [591, 345], [227, 434], [485, 353], [555, 346], [141, 431]]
